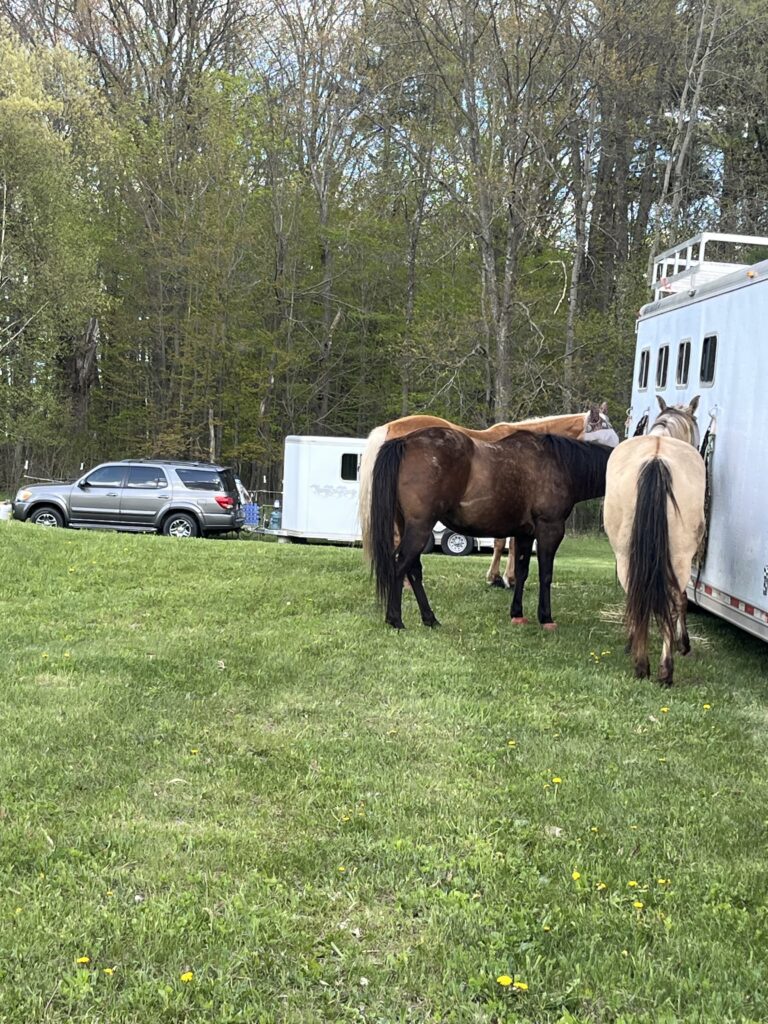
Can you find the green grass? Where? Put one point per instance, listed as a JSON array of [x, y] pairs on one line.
[[215, 758]]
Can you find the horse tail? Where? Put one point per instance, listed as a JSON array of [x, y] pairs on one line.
[[651, 579], [383, 507], [376, 439]]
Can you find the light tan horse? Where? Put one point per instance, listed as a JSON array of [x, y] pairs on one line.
[[654, 518], [573, 425]]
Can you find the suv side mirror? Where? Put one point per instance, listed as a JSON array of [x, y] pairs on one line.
[[82, 484]]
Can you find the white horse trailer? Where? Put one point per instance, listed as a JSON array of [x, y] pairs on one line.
[[703, 335], [320, 492]]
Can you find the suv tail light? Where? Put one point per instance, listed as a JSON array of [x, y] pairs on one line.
[[225, 501]]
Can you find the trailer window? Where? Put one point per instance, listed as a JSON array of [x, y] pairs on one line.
[[683, 363], [662, 362], [708, 357], [642, 376], [349, 466]]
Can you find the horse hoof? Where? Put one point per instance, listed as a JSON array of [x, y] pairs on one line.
[[498, 582], [431, 623], [551, 626], [519, 620], [396, 625]]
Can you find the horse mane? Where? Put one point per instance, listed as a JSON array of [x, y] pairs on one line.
[[583, 461]]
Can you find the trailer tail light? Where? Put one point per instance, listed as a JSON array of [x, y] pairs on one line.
[[225, 501]]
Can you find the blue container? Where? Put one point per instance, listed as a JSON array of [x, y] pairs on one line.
[[275, 519], [252, 513]]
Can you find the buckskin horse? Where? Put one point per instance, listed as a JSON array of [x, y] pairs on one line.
[[574, 425], [654, 518], [523, 486]]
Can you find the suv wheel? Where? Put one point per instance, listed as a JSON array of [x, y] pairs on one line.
[[47, 516], [180, 524]]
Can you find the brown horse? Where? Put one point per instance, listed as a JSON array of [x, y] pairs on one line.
[[573, 425], [654, 518], [523, 486]]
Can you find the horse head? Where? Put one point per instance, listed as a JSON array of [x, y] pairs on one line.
[[597, 426], [677, 421], [597, 418]]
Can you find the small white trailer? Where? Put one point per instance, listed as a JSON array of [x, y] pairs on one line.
[[320, 488], [320, 492], [704, 334]]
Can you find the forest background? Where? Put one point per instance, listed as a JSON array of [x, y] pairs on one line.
[[223, 221]]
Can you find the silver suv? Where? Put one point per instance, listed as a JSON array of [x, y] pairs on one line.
[[179, 499]]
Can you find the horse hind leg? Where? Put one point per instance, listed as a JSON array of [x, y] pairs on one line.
[[667, 664], [408, 565], [417, 585], [493, 576], [509, 572], [683, 639]]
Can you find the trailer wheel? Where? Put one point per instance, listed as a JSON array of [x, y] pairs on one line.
[[456, 543]]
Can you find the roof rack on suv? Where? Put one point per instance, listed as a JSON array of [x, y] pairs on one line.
[[173, 462]]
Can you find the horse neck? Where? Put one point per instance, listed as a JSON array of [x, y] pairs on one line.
[[678, 427]]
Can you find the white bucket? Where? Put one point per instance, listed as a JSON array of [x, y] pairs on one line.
[[5, 510]]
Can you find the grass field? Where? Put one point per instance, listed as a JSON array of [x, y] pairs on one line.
[[230, 793]]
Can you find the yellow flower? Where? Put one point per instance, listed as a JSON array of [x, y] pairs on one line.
[[109, 970], [341, 868], [511, 743], [504, 980], [521, 986], [556, 779], [546, 928], [187, 976], [707, 707], [83, 960], [194, 750], [593, 828], [663, 881], [575, 875], [632, 884], [600, 886], [638, 904], [664, 710]]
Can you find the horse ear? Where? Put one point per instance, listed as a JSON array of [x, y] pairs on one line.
[[662, 403], [604, 408], [694, 405]]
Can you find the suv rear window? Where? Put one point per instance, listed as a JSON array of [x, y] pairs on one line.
[[207, 479]]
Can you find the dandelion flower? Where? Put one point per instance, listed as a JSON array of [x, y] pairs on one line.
[[109, 970], [511, 743], [638, 904], [663, 881], [664, 710], [575, 875], [83, 960], [600, 886], [633, 884], [546, 928], [707, 707], [187, 976], [556, 779], [341, 869], [504, 980], [521, 986]]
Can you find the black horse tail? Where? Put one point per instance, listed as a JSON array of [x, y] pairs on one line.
[[386, 471], [651, 582]]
